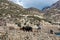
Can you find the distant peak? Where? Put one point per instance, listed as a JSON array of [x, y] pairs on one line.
[[33, 9]]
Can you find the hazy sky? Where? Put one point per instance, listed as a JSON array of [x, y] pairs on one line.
[[35, 3]]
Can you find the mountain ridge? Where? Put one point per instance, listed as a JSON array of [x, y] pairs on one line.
[[53, 12]]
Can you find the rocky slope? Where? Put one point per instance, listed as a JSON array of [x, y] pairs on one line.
[[18, 23], [53, 13], [56, 5]]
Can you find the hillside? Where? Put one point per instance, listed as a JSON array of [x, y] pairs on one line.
[[53, 13], [56, 5], [18, 23]]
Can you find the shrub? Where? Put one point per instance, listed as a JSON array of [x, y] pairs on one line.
[[19, 24], [27, 28]]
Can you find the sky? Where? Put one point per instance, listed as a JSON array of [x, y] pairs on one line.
[[39, 4]]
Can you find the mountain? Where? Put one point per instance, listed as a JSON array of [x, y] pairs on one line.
[[56, 5], [33, 9], [14, 10], [18, 23], [45, 8], [14, 18], [9, 8], [53, 13]]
